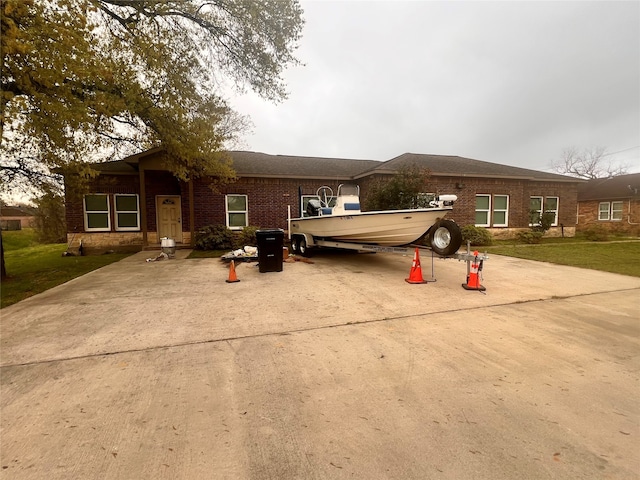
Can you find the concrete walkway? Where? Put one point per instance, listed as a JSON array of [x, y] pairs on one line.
[[331, 369]]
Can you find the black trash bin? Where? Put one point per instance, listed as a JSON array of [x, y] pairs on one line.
[[270, 247]]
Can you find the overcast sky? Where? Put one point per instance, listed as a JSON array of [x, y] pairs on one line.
[[507, 82]]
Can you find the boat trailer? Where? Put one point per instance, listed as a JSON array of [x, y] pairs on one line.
[[474, 260]]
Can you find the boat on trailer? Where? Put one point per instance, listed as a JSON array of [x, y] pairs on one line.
[[339, 219]]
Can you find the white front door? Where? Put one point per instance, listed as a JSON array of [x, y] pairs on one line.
[[169, 218]]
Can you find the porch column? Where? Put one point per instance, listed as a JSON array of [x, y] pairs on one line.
[[143, 206], [192, 214]]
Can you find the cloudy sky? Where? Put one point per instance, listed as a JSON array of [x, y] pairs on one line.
[[507, 82]]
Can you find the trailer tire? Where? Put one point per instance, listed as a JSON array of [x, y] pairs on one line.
[[303, 248], [295, 245], [445, 237]]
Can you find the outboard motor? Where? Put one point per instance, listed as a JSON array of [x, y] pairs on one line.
[[313, 207]]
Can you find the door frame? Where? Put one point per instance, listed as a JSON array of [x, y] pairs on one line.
[[179, 198]]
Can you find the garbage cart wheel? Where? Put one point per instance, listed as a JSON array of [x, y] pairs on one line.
[[445, 237]]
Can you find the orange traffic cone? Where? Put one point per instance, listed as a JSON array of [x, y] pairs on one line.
[[473, 279], [232, 273], [415, 275]]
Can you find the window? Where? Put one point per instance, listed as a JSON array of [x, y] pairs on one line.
[[492, 211], [483, 208], [500, 210], [96, 213], [616, 211], [237, 214], [610, 211], [603, 211], [536, 210], [551, 206], [127, 213]]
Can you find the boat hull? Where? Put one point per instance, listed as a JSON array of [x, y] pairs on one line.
[[391, 228]]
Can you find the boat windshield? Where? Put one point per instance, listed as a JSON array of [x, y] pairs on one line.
[[349, 189]]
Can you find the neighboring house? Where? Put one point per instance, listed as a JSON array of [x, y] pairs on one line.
[[16, 218], [611, 203], [136, 201]]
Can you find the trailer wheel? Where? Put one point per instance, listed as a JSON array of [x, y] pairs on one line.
[[445, 237], [302, 247], [295, 246]]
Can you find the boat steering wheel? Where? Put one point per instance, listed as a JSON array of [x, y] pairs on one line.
[[325, 194]]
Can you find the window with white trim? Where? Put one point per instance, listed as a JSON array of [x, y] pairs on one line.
[[97, 216], [535, 210], [536, 205], [610, 211], [604, 209], [616, 211], [237, 211], [492, 210], [551, 206], [500, 216], [127, 212], [483, 210]]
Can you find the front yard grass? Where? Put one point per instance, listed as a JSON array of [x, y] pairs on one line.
[[621, 257], [33, 268]]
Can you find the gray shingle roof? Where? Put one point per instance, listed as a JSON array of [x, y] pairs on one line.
[[262, 164], [613, 188], [255, 164], [461, 166], [9, 211]]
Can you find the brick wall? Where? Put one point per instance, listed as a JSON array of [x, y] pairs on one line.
[[519, 192], [109, 184], [629, 225], [268, 199]]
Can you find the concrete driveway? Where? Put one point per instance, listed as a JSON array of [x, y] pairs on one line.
[[329, 370]]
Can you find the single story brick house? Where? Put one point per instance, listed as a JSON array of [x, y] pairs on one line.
[[135, 202], [16, 218], [610, 203]]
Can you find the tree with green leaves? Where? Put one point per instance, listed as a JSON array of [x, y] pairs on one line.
[[85, 81], [400, 191]]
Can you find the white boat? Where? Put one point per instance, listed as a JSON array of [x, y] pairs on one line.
[[340, 219]]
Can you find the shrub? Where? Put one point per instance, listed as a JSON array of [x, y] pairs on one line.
[[530, 236], [596, 233], [247, 237], [476, 235], [215, 237]]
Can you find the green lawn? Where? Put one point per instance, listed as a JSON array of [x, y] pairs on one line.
[[33, 268], [616, 257]]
